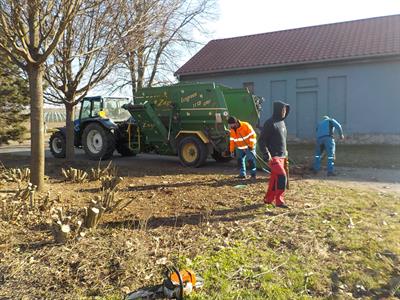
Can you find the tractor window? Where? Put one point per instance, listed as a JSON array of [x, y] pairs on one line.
[[110, 108], [96, 108], [113, 109], [85, 110]]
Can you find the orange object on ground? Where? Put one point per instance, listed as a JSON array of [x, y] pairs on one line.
[[186, 275]]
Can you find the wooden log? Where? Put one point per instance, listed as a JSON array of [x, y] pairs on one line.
[[91, 217], [101, 212], [32, 198], [61, 232]]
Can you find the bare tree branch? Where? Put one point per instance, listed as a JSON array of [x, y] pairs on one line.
[[169, 25]]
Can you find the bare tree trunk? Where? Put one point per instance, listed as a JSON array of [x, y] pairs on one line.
[[133, 80], [140, 68], [70, 153], [155, 65], [35, 74], [132, 71]]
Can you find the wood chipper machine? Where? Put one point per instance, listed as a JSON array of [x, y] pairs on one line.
[[188, 120]]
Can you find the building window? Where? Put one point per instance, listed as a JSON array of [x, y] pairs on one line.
[[249, 86]]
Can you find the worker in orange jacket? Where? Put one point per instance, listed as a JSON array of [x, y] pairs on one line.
[[244, 139]]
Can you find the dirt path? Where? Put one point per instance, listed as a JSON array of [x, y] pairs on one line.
[[383, 180]]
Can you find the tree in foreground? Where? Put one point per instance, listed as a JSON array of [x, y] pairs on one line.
[[84, 57], [13, 101], [31, 30]]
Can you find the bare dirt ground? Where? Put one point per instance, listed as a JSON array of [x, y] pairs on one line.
[[385, 180], [169, 202], [173, 207]]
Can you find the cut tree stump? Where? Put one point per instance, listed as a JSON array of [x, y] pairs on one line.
[[61, 232]]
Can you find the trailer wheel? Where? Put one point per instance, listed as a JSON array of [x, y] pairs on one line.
[[57, 144], [219, 158], [98, 142], [192, 151]]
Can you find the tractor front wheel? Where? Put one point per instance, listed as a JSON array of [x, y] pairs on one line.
[[57, 144], [192, 151], [98, 142]]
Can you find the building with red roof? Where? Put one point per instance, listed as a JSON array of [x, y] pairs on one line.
[[348, 70]]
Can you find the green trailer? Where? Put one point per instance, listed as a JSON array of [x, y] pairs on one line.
[[188, 120]]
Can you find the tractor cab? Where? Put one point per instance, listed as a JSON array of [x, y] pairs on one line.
[[104, 107], [101, 127], [107, 111]]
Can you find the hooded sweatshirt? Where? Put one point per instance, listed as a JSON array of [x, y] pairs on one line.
[[273, 134]]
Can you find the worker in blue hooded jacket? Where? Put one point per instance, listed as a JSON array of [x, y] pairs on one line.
[[326, 142]]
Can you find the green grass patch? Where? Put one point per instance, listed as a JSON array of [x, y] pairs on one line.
[[347, 247]]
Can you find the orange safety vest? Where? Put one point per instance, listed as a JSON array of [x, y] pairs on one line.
[[243, 137]]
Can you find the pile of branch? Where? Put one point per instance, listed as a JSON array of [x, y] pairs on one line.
[[14, 206], [65, 227], [110, 182], [93, 214], [25, 205], [105, 203], [98, 173], [74, 175], [16, 175], [110, 202]]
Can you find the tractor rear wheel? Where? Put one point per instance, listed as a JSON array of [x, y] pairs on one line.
[[192, 151], [98, 142], [57, 144]]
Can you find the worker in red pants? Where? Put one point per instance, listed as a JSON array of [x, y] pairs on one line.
[[272, 143], [277, 182]]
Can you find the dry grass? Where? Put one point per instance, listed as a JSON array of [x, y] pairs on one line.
[[333, 242]]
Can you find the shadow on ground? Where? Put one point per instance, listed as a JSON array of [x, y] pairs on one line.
[[214, 216]]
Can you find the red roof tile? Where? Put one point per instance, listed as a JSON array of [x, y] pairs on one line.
[[364, 38]]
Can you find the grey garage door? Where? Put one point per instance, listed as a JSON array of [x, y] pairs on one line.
[[337, 93], [306, 114]]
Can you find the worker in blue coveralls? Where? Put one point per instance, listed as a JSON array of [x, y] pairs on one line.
[[326, 142]]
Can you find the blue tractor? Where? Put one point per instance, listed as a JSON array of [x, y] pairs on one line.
[[102, 127]]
